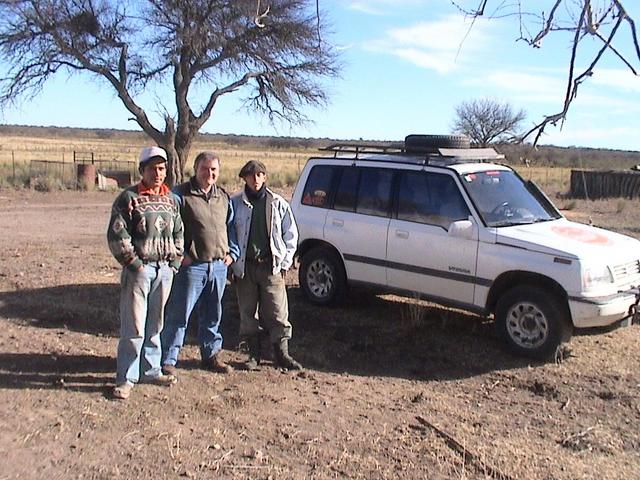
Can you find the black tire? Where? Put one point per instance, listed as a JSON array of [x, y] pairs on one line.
[[322, 276], [533, 322], [430, 143]]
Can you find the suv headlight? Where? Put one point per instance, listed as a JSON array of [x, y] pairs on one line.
[[596, 276]]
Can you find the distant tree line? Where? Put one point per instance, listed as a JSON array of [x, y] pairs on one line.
[[569, 157], [543, 155]]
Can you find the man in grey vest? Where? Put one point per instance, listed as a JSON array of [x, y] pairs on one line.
[[210, 247]]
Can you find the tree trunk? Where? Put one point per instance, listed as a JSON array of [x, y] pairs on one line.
[[177, 143], [174, 168]]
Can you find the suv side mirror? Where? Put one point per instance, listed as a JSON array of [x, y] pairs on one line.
[[462, 229]]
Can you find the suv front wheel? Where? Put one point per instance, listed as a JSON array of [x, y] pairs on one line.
[[322, 276], [532, 321]]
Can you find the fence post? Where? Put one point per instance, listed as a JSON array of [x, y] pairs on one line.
[[547, 176]]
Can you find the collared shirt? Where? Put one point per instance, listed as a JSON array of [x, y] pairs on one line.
[[143, 190]]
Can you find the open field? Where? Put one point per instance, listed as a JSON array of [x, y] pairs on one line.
[[284, 165], [17, 153], [392, 388]]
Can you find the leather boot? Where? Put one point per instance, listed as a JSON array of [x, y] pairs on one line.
[[283, 359], [253, 343], [215, 364]]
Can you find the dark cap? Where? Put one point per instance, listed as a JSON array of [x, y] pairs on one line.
[[251, 168]]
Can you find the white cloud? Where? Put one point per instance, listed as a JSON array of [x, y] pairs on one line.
[[546, 86], [438, 61], [381, 7], [616, 78], [439, 45]]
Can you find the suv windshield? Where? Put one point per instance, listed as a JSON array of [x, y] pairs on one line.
[[504, 199]]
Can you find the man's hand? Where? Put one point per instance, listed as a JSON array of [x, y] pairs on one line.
[[186, 260], [227, 260]]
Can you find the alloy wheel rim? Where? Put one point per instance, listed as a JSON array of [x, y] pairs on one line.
[[320, 279], [527, 325]]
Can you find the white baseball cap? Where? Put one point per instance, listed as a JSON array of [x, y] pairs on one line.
[[149, 153]]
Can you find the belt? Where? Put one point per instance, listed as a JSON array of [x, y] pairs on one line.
[[156, 263], [259, 260]]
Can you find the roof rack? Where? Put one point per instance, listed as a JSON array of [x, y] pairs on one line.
[[358, 148], [434, 156]]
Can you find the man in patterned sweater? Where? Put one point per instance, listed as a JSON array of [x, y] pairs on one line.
[[145, 235]]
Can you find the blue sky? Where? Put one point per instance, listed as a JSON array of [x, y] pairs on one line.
[[407, 65]]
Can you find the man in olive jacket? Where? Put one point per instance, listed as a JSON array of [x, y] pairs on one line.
[[268, 238]]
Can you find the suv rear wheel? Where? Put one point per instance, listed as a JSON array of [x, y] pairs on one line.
[[322, 276], [532, 321]]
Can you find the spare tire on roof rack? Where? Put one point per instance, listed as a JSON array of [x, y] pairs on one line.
[[430, 143]]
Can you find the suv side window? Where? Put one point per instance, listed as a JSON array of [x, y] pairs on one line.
[[318, 187], [347, 188], [374, 192], [430, 198]]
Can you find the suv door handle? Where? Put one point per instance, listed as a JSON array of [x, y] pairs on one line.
[[402, 234], [337, 222]]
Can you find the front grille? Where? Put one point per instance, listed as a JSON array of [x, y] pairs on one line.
[[626, 271]]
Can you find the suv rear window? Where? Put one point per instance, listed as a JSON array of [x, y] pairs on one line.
[[316, 191], [347, 190], [374, 193], [359, 189]]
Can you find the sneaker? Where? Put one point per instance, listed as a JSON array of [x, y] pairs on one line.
[[170, 370], [163, 380], [122, 391], [214, 364]]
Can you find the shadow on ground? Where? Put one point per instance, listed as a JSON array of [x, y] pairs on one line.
[[388, 336], [87, 308], [369, 335], [86, 373]]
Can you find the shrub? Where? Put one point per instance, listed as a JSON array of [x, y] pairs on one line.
[[14, 176], [283, 178], [47, 183]]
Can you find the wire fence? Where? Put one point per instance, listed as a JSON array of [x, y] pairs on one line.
[[22, 165]]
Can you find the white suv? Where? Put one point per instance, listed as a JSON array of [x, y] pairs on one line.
[[449, 225]]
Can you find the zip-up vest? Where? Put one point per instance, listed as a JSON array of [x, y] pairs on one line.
[[205, 223]]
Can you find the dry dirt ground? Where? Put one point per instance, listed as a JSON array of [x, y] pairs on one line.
[[389, 390]]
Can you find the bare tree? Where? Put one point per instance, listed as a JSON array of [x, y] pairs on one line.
[[487, 121], [606, 21], [274, 53]]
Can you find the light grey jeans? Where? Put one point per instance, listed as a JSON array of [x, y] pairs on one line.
[[262, 293], [143, 295]]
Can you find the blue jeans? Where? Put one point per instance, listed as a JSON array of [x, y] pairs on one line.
[[198, 287], [143, 295]]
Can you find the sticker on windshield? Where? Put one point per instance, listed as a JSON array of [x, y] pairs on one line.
[[582, 234]]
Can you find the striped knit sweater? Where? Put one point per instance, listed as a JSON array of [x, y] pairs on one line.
[[145, 227]]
